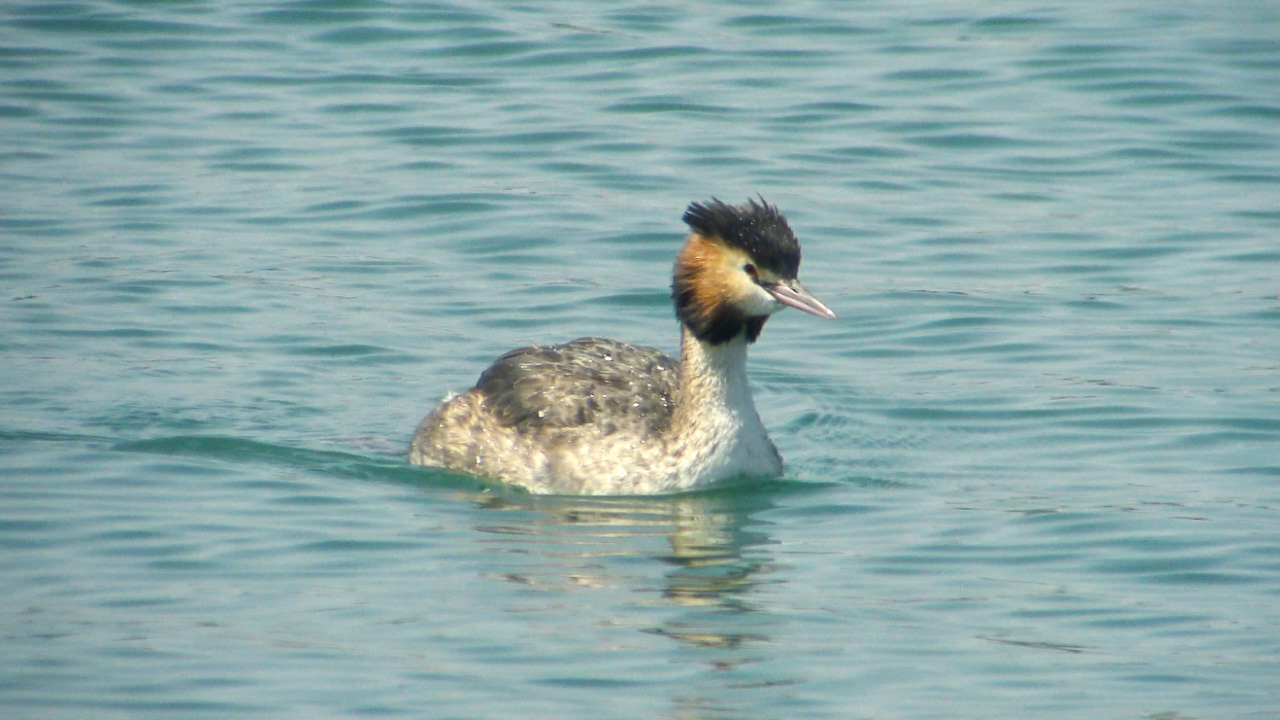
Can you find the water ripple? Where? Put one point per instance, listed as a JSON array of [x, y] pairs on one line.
[[248, 247]]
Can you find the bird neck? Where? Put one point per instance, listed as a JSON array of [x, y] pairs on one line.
[[713, 380]]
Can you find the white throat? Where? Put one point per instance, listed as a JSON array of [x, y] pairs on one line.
[[715, 423], [714, 377]]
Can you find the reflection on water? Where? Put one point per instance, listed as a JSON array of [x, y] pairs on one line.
[[708, 551], [694, 568]]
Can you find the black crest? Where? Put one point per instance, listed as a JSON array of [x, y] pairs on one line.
[[756, 228]]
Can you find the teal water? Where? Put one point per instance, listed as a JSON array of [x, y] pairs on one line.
[[1034, 469]]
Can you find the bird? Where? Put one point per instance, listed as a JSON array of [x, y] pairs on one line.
[[596, 416]]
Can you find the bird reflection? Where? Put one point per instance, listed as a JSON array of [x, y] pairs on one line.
[[712, 549]]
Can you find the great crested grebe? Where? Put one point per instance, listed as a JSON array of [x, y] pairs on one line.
[[600, 417]]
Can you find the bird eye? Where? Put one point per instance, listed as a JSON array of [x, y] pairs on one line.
[[751, 270]]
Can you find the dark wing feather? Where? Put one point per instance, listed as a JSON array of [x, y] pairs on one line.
[[587, 381]]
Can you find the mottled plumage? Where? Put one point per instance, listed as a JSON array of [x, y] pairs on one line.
[[589, 380], [597, 416]]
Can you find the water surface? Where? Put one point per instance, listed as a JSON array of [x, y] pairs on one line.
[[1033, 471]]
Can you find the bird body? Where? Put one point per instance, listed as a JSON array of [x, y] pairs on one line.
[[597, 416]]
